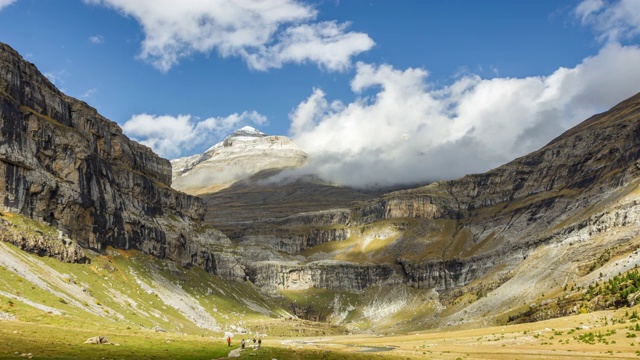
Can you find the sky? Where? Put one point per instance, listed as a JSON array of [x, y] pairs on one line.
[[377, 92]]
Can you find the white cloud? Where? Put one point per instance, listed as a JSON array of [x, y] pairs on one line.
[[614, 20], [57, 78], [409, 131], [89, 93], [5, 3], [96, 39], [326, 43], [266, 34], [170, 136]]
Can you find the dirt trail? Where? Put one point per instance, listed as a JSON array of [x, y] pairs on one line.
[[235, 353]]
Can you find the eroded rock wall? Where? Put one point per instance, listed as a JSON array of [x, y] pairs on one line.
[[325, 275], [63, 163]]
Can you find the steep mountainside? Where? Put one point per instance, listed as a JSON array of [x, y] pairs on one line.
[[63, 163], [242, 154], [525, 241]]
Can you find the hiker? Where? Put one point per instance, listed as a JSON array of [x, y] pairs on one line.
[[254, 341], [229, 340], [242, 343], [259, 343]]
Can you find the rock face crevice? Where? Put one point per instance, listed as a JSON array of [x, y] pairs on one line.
[[63, 163]]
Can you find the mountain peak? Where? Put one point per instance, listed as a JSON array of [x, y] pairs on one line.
[[240, 155], [247, 131]]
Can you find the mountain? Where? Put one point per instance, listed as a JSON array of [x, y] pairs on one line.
[[242, 154], [539, 237]]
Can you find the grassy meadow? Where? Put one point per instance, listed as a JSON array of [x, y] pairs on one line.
[[598, 335]]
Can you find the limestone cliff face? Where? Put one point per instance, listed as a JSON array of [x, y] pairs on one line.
[[598, 155], [325, 274], [63, 163]]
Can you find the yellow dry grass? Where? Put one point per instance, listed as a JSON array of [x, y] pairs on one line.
[[561, 338]]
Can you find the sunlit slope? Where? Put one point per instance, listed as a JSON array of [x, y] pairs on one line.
[[127, 290]]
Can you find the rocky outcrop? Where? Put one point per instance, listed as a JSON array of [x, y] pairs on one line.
[[294, 242], [43, 243], [63, 163], [323, 274], [293, 234]]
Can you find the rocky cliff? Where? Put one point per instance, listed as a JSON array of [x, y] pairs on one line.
[[63, 163]]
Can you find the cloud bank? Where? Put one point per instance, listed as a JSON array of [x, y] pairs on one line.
[[266, 34], [170, 136], [403, 130]]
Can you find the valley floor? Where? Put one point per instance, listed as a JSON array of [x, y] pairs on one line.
[[598, 335]]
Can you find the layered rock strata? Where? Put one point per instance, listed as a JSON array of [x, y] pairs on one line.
[[538, 198], [323, 274], [63, 163]]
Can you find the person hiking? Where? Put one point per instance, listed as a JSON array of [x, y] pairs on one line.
[[259, 343], [254, 341], [229, 340], [242, 343]]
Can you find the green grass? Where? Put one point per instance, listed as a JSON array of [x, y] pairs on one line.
[[50, 336], [56, 342]]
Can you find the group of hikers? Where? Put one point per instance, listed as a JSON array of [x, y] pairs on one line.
[[242, 343]]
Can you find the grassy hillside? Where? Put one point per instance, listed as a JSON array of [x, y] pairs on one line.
[[154, 309]]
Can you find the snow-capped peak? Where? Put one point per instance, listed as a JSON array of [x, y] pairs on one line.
[[247, 131], [245, 152]]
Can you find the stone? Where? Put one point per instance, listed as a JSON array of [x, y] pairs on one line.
[[98, 340]]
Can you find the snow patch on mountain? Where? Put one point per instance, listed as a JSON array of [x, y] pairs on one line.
[[245, 152]]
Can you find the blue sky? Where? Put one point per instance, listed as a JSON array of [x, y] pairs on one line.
[[376, 91]]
